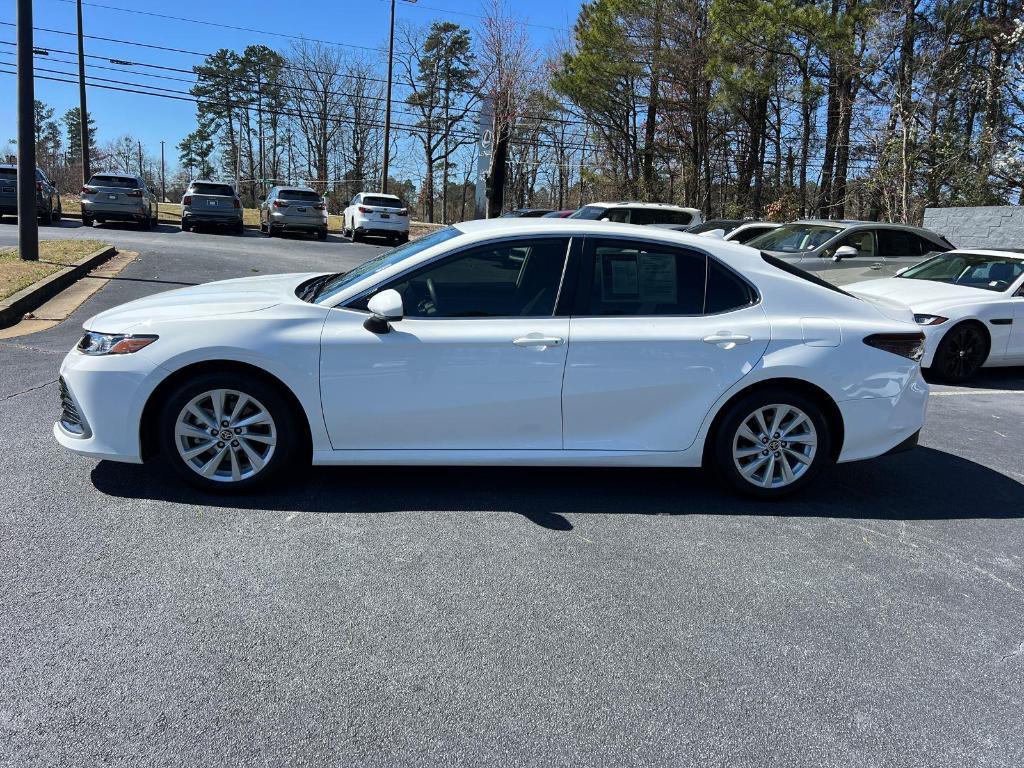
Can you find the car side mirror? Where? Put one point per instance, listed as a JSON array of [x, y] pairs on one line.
[[844, 252], [385, 308]]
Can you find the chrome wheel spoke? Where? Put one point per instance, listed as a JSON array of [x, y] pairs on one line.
[[787, 470], [200, 415], [240, 404], [769, 473], [210, 467], [217, 398], [742, 453], [266, 439], [254, 458], [257, 418], [751, 469], [805, 439], [187, 430], [748, 434], [236, 471], [780, 413], [198, 450]]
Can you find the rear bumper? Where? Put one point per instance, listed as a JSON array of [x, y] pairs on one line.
[[116, 212], [213, 217], [282, 222], [878, 425], [377, 226]]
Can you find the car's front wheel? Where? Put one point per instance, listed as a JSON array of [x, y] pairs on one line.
[[226, 432], [771, 443]]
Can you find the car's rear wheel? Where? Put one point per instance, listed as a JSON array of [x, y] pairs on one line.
[[226, 432], [322, 234], [271, 232], [239, 228], [771, 443], [356, 237], [185, 226], [87, 221], [961, 353]]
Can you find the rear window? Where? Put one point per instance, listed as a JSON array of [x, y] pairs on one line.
[[124, 182], [8, 173], [785, 266], [383, 202], [213, 189], [299, 194]]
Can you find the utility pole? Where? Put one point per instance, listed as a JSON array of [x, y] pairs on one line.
[[141, 171], [28, 225], [387, 103], [163, 186], [83, 113]]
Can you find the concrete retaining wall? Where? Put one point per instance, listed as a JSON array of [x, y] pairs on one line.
[[993, 226]]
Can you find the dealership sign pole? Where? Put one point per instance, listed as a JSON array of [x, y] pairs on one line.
[[28, 227]]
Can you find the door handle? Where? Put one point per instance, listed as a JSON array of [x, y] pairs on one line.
[[539, 341], [727, 339]]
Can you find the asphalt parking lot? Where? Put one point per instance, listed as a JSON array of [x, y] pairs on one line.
[[501, 616]]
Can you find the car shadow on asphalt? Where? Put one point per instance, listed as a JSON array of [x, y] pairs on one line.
[[924, 484], [988, 378]]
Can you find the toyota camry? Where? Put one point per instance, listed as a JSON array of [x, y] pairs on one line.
[[511, 342]]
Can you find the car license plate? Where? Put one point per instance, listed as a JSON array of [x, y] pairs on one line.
[[385, 215], [301, 210], [8, 190], [111, 197], [213, 202]]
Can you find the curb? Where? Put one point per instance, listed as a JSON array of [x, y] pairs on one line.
[[13, 308]]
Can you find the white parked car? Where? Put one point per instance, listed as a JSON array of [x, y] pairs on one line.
[[970, 304], [377, 215], [748, 230], [627, 212], [515, 341]]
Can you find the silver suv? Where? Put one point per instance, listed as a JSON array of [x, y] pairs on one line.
[[118, 197], [293, 209], [47, 197], [211, 203], [847, 248]]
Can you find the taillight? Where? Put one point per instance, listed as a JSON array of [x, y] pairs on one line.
[[908, 345], [404, 212], [186, 200], [134, 193], [87, 190], [280, 203], [365, 210], [319, 206], [236, 203]]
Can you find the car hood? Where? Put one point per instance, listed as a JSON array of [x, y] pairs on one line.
[[916, 294], [225, 297]]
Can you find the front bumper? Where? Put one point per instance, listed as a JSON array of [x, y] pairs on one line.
[[108, 395], [874, 426]]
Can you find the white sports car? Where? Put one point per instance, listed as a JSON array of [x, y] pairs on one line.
[[514, 341], [970, 304]]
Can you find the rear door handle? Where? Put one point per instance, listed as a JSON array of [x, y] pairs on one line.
[[539, 341], [727, 339]]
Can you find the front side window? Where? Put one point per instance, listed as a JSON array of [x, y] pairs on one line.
[[795, 238], [623, 277], [992, 273], [863, 241], [517, 278], [343, 280]]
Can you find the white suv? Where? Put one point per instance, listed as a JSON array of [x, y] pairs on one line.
[[375, 213], [639, 213]]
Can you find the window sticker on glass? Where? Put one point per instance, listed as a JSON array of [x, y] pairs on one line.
[[658, 278], [624, 278]]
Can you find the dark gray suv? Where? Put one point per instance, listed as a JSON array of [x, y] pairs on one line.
[[47, 197], [211, 203]]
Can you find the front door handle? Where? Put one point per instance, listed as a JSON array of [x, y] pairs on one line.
[[539, 341], [727, 339]]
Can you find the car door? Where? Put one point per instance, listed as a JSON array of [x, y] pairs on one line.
[[657, 334], [476, 362]]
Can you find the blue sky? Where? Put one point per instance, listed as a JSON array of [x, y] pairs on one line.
[[356, 24]]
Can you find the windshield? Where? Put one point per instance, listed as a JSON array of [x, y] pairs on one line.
[[794, 238], [340, 282], [592, 212], [992, 273]]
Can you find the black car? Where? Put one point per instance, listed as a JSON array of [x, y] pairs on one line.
[[47, 197]]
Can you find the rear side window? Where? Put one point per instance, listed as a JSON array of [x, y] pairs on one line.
[[726, 291], [213, 189], [670, 217], [123, 182], [383, 202], [622, 277], [299, 194]]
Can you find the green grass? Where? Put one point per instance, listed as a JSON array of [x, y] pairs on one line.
[[54, 255]]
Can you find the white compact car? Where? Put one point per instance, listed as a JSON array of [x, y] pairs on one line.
[[513, 341], [970, 304], [376, 214]]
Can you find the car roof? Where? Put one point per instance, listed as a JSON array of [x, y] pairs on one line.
[[296, 189], [641, 204], [210, 181], [851, 223], [379, 194]]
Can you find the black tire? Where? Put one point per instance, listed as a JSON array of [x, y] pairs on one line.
[[87, 221], [961, 353], [58, 214], [185, 226], [356, 237], [271, 232], [239, 229], [726, 437], [322, 234], [289, 434]]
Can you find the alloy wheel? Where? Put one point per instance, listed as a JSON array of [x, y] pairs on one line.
[[225, 435], [965, 353], [774, 446]]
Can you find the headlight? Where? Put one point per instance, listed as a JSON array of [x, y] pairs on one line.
[[113, 343], [930, 319]]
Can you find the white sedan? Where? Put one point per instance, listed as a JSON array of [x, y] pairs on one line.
[[970, 304], [519, 341]]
